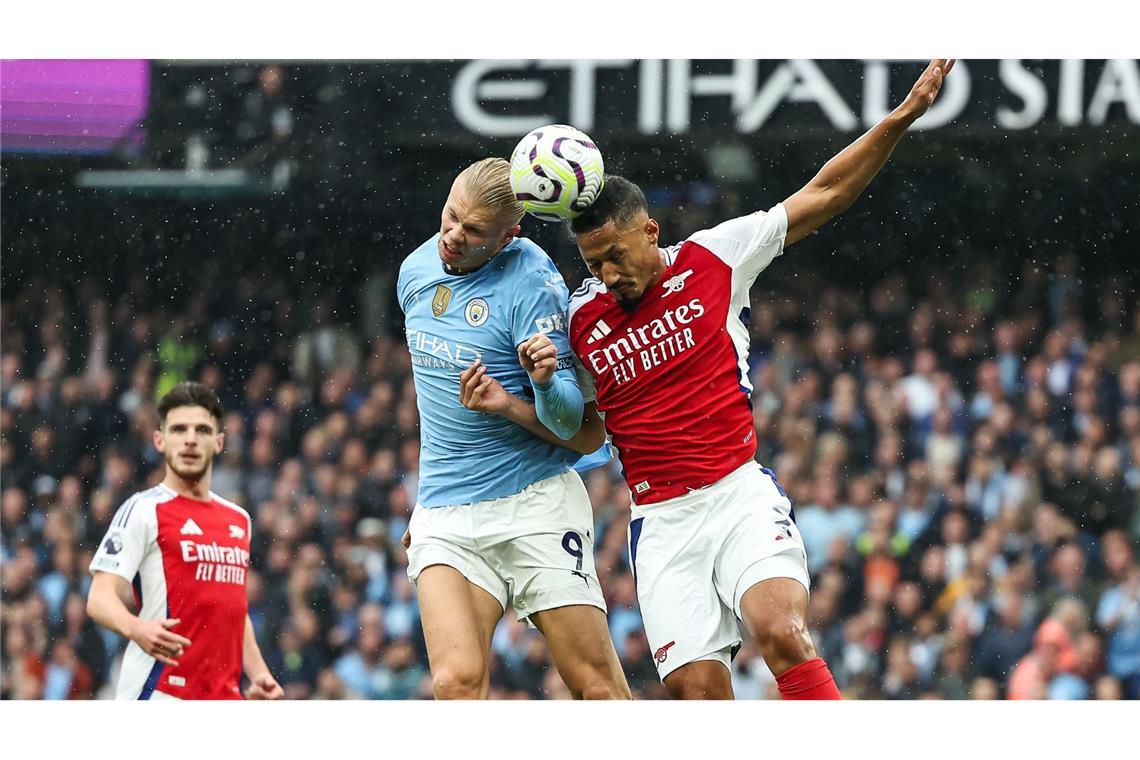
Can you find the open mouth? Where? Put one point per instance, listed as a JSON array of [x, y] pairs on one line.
[[450, 253]]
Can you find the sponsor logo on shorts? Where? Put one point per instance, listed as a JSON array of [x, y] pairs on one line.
[[642, 487], [663, 653]]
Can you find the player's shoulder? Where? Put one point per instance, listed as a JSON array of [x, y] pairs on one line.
[[142, 506], [746, 228], [590, 289], [525, 258], [230, 504], [419, 259], [526, 270]]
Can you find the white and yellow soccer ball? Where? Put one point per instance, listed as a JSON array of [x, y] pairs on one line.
[[556, 172]]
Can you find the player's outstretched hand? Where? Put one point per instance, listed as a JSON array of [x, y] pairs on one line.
[[156, 639], [480, 392], [539, 357], [264, 686], [925, 90]]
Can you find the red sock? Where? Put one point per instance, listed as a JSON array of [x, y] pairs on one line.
[[808, 680]]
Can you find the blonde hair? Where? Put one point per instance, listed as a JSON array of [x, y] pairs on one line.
[[488, 185]]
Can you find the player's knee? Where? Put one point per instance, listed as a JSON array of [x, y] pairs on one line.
[[785, 640], [699, 683], [602, 685], [458, 683]]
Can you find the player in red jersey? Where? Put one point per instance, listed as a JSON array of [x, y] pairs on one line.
[[712, 538], [179, 553]]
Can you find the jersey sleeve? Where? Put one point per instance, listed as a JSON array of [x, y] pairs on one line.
[[122, 549], [749, 243], [402, 286], [585, 380], [541, 307]]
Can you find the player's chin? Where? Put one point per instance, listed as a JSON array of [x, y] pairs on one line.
[[626, 302], [190, 471]]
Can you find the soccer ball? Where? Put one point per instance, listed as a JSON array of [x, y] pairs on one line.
[[556, 172]]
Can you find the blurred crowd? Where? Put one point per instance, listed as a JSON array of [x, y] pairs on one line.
[[963, 456]]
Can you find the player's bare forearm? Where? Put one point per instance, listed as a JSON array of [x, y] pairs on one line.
[[589, 437], [844, 178], [251, 659], [480, 392], [105, 604], [262, 684], [106, 607]]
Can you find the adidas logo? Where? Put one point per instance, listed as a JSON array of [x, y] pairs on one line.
[[601, 330], [236, 532], [677, 283], [191, 529]]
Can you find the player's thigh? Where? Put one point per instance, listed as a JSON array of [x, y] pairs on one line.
[[758, 540], [543, 545], [580, 644], [461, 595], [672, 553], [458, 619], [702, 679]]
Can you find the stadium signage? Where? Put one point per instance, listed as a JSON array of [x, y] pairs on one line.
[[506, 98]]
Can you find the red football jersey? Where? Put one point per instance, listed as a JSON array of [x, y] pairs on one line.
[[671, 376], [186, 559]]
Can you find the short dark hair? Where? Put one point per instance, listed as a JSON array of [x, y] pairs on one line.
[[619, 201], [190, 394]]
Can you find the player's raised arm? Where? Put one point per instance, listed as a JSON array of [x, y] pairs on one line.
[[480, 392], [844, 177]]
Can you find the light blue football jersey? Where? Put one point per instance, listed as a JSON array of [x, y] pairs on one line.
[[450, 320]]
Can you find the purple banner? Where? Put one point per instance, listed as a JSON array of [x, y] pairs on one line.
[[73, 106]]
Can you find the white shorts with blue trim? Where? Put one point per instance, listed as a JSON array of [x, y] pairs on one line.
[[695, 555], [532, 551]]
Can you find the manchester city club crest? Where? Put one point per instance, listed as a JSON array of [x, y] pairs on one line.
[[441, 300], [476, 312]]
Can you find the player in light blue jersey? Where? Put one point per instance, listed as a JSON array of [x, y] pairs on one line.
[[502, 519]]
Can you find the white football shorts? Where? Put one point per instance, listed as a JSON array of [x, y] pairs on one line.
[[532, 551], [694, 556]]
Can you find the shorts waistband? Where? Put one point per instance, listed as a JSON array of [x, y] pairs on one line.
[[502, 499], [695, 494]]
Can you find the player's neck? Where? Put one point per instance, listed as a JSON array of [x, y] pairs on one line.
[[198, 490]]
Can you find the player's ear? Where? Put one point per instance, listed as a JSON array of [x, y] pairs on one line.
[[652, 230], [513, 232], [159, 440], [220, 443]]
